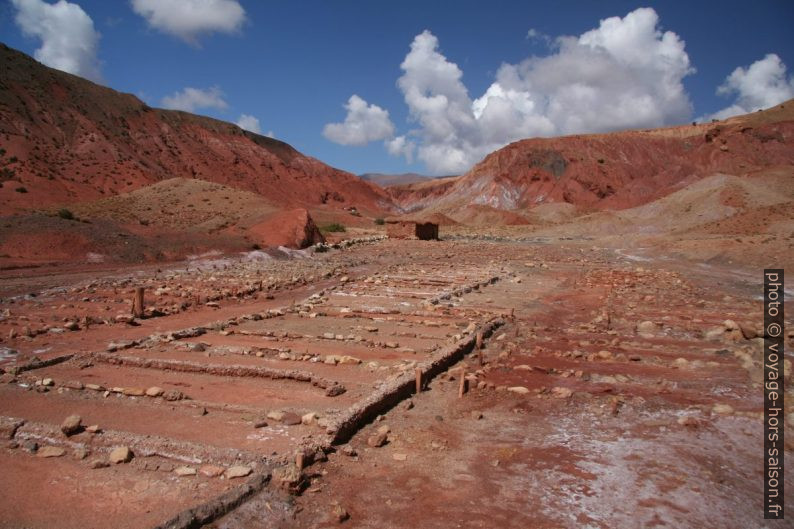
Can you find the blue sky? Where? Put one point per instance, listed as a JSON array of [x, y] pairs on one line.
[[474, 76]]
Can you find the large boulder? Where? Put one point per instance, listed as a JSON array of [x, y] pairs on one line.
[[292, 228]]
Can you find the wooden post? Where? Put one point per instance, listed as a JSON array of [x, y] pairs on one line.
[[299, 460], [418, 380], [479, 340], [137, 303], [480, 356], [462, 387]]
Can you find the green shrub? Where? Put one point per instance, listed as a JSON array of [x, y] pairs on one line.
[[65, 214], [334, 227], [379, 221]]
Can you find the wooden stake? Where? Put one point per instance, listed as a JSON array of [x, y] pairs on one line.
[[299, 460], [137, 303], [479, 340], [480, 355], [462, 387], [418, 380]]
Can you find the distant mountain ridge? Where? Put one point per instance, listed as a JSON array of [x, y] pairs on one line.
[[386, 180]]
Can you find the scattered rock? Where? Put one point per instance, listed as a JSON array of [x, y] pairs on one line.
[[185, 471], [349, 360], [339, 513], [521, 390], [748, 332], [275, 415], [335, 390], [238, 471], [309, 418], [561, 393], [291, 419], [730, 325], [689, 421], [377, 440], [9, 427], [211, 471], [98, 463], [50, 451], [72, 425], [646, 328], [173, 395], [399, 457], [604, 355], [120, 454], [154, 391], [722, 409], [715, 334], [288, 478]]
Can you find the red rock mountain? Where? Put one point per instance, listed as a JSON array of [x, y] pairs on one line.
[[610, 171], [68, 140]]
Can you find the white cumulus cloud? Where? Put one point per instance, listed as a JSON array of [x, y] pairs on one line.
[[364, 123], [69, 41], [401, 146], [187, 19], [249, 123], [762, 85], [625, 73], [190, 99]]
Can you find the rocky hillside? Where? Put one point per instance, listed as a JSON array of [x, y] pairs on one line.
[[610, 171], [65, 140]]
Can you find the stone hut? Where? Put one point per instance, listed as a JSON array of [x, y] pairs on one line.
[[411, 229]]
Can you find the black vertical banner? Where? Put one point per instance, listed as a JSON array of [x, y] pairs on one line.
[[774, 414]]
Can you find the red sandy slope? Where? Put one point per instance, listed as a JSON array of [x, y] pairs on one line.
[[69, 140]]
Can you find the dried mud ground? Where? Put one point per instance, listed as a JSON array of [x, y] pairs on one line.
[[620, 392]]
